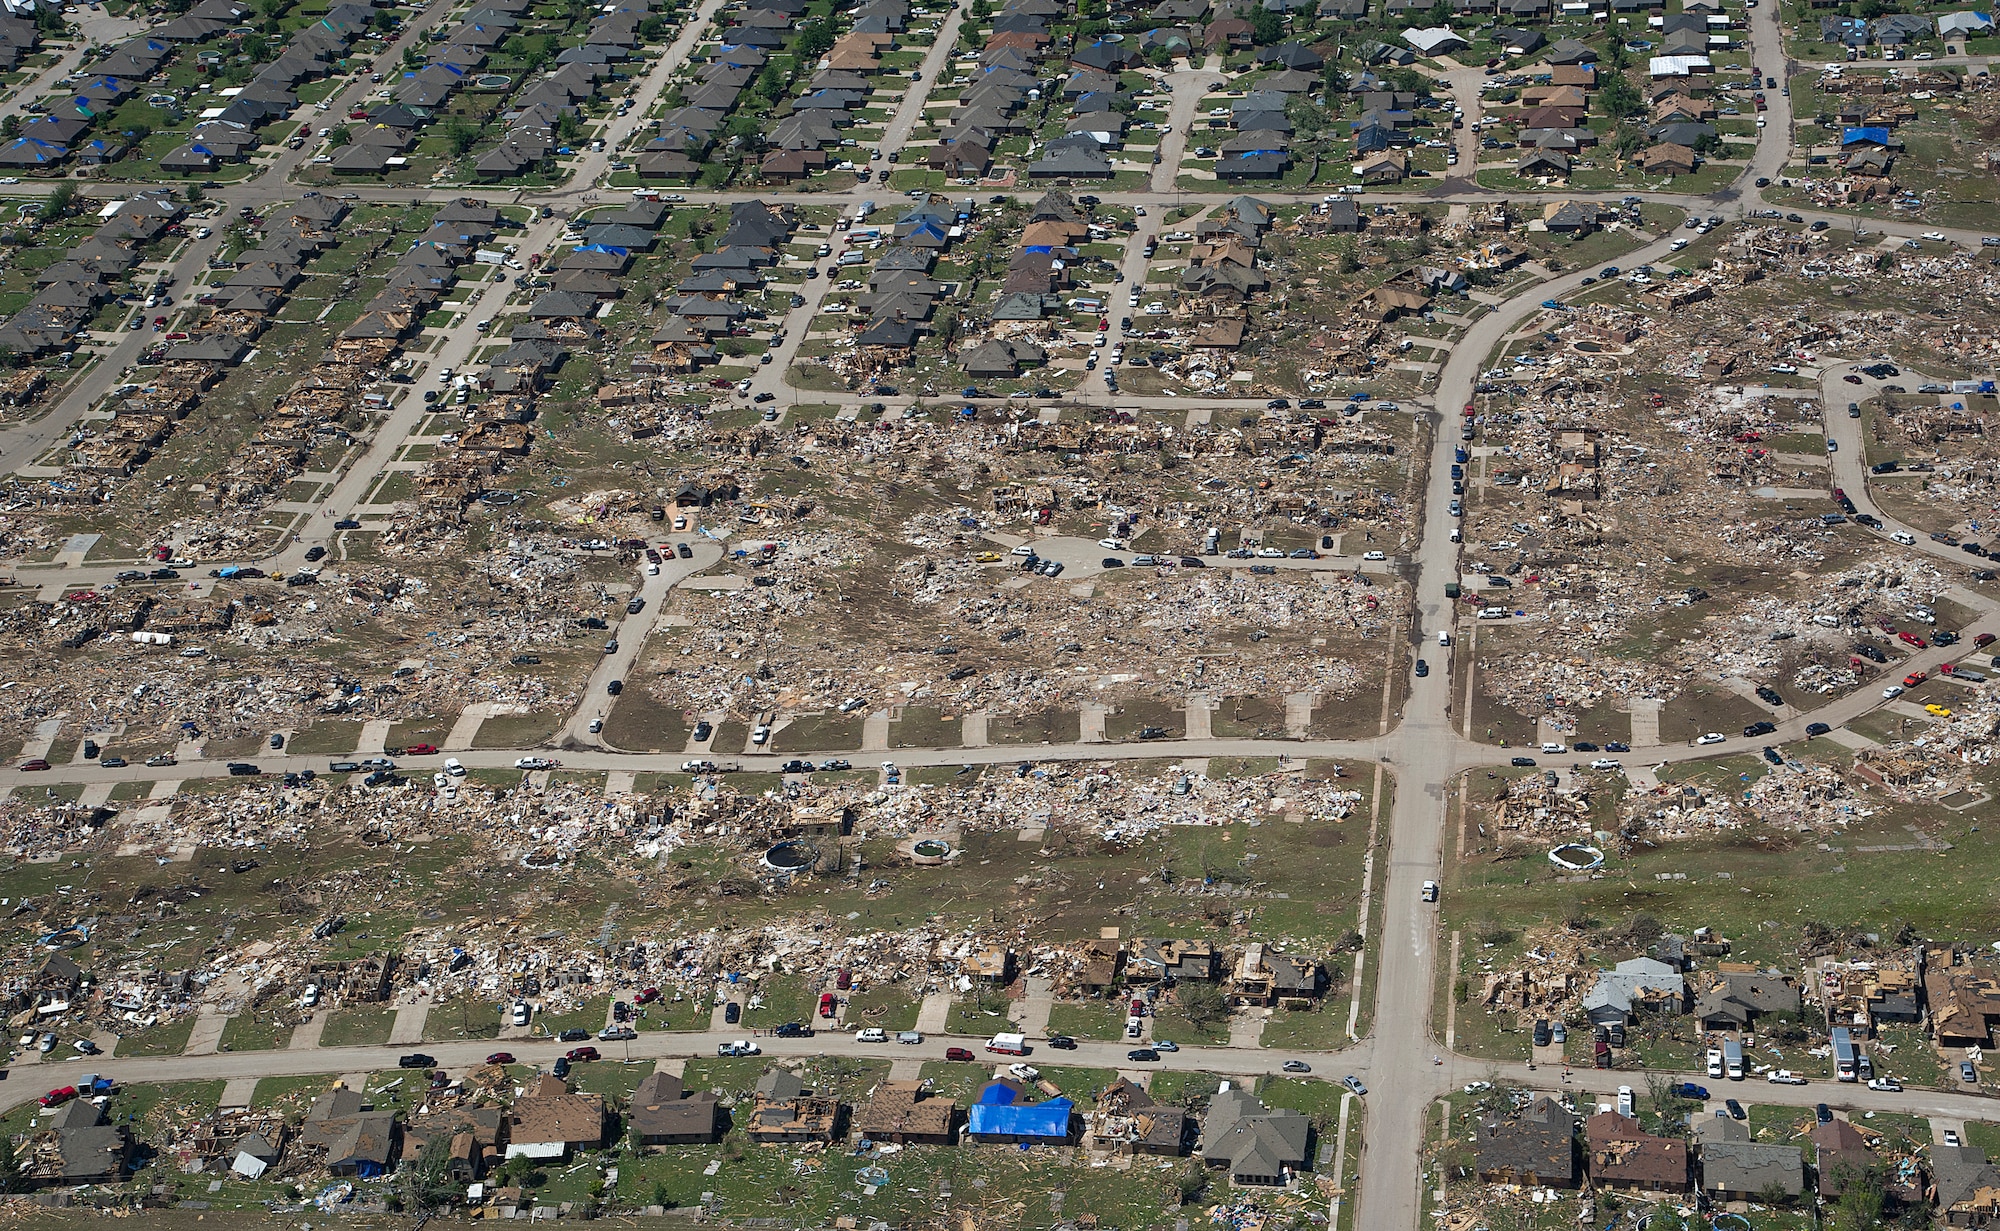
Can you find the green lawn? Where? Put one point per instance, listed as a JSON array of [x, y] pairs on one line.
[[358, 1025], [1096, 1019]]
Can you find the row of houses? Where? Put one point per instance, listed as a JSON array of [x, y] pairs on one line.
[[239, 308], [705, 305], [95, 271]]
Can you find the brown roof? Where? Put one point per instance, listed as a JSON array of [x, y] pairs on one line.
[[550, 1111], [660, 1107], [1622, 1153], [905, 1107]]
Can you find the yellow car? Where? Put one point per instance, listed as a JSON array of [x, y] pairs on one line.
[[987, 557], [1937, 711]]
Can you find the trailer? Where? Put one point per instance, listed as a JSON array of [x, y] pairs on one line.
[[1732, 1059], [1846, 1060]]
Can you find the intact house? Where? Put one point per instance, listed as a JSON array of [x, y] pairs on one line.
[[551, 1120], [1002, 1116], [663, 1113], [1255, 1144], [1536, 1145]]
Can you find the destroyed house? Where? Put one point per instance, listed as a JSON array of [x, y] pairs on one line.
[[1152, 961], [1640, 983], [1536, 1145], [907, 1113], [1264, 976], [1733, 1000], [1963, 1002], [1128, 1121], [1624, 1156], [1968, 1187], [786, 1112]]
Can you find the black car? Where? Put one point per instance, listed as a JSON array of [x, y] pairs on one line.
[[1823, 1114], [343, 767], [1112, 562], [243, 769], [526, 660], [1142, 1055], [573, 1036], [732, 1013], [165, 574], [114, 762], [1771, 755], [1423, 668], [1617, 746], [131, 574], [635, 606], [1313, 404], [315, 553], [1759, 728], [793, 1030], [683, 551], [702, 730], [561, 1067], [1870, 653], [1735, 1109], [1944, 637], [415, 1060], [615, 687], [1817, 728], [347, 523], [1062, 1042], [1543, 1035], [1522, 762], [1584, 745], [1769, 695]]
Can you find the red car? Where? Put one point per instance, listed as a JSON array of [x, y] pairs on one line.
[[501, 1057], [1983, 640], [1915, 678], [825, 1000], [1913, 639], [843, 978], [577, 1055], [34, 764], [420, 750], [958, 1053], [58, 1096], [646, 995]]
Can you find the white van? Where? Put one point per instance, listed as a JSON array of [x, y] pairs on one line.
[[872, 1034], [1715, 1062], [1444, 637], [1904, 537], [452, 767], [1625, 1100]]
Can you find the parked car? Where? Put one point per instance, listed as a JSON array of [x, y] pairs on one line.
[[577, 1055], [959, 1054], [1062, 1042], [415, 1060], [1142, 1055], [1296, 1066], [501, 1057], [1354, 1083]]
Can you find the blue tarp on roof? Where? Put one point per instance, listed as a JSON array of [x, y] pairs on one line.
[[1872, 136], [1038, 248], [996, 1114]]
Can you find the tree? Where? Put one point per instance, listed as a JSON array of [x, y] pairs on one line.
[[1440, 14], [815, 39], [1618, 98], [1407, 81], [770, 86], [1202, 1003], [10, 1169], [10, 125], [1266, 26], [1861, 1198], [462, 133], [1335, 79], [59, 201], [425, 1184], [1616, 56]]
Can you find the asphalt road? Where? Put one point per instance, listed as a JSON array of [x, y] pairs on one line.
[[1422, 749]]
